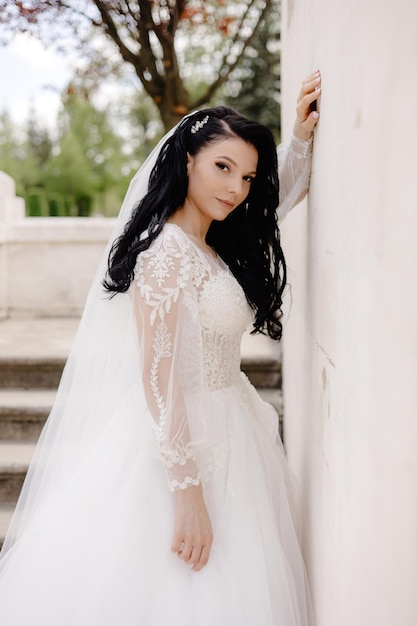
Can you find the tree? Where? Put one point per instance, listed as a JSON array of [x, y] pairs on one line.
[[38, 138], [100, 145], [145, 33], [70, 172], [255, 85], [16, 156]]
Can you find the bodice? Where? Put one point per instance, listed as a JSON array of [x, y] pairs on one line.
[[224, 314]]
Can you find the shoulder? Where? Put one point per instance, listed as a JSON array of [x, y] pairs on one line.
[[170, 257], [173, 240], [171, 246]]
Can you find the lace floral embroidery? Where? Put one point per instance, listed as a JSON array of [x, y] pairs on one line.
[[164, 274], [194, 313]]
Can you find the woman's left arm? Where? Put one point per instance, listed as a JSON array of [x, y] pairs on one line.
[[295, 156]]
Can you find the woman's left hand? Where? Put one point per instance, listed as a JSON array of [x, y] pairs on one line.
[[306, 119]]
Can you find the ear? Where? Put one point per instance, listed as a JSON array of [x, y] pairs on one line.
[[190, 161]]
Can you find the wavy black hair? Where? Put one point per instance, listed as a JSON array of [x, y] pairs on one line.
[[248, 239]]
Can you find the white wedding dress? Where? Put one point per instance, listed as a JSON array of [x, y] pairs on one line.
[[90, 542]]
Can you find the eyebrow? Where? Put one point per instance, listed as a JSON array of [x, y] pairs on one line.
[[233, 162]]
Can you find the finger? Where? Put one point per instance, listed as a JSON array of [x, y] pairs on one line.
[[177, 543], [303, 107], [310, 123], [311, 77], [195, 555], [203, 559], [309, 86], [185, 552]]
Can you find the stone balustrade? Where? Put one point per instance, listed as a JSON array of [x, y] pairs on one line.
[[46, 264]]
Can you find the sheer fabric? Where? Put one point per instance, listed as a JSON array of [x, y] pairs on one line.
[[191, 314], [294, 168], [152, 399]]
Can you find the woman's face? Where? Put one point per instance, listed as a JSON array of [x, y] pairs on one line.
[[219, 178]]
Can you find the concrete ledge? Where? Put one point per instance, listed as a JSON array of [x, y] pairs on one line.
[[61, 229], [48, 264]]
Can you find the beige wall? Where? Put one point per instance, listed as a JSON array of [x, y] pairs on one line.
[[350, 351]]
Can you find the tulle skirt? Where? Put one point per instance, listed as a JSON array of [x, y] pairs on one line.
[[98, 553]]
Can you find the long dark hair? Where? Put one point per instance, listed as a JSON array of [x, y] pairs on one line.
[[248, 240]]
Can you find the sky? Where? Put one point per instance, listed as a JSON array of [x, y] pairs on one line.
[[31, 74]]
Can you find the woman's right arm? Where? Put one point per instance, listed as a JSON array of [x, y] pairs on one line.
[[295, 155]]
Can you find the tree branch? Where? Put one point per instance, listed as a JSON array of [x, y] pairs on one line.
[[226, 68], [127, 54]]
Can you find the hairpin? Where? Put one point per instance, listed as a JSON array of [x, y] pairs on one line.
[[199, 124]]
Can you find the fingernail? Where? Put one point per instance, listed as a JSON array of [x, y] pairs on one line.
[[316, 115], [318, 89]]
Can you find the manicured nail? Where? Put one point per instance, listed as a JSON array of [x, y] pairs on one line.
[[316, 115], [317, 89]]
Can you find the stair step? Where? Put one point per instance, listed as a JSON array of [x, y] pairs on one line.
[[45, 373], [14, 463], [33, 354], [23, 412], [6, 512], [263, 373], [33, 351], [261, 361], [29, 373]]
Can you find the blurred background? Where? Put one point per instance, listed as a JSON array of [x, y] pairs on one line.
[[89, 87]]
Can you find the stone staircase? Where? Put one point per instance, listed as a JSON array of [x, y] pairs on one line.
[[32, 357]]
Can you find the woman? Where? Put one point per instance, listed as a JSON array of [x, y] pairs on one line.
[[97, 538]]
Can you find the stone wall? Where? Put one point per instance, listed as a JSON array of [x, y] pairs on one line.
[[350, 350], [46, 264]]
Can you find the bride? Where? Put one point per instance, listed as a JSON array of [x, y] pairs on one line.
[[159, 492]]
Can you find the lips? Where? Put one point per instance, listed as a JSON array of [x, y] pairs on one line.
[[227, 203]]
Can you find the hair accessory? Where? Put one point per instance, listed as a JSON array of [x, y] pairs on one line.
[[199, 124]]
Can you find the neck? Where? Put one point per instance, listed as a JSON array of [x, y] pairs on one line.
[[191, 222]]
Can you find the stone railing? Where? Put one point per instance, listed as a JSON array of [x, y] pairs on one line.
[[46, 264]]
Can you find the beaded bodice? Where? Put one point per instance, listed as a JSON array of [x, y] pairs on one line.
[[224, 314]]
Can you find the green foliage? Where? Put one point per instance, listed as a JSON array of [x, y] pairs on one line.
[[145, 128], [39, 142], [70, 172], [97, 140], [84, 204], [36, 202], [254, 87], [88, 167], [10, 147], [17, 157], [56, 204]]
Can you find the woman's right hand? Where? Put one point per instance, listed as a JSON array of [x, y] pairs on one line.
[[306, 119], [193, 535]]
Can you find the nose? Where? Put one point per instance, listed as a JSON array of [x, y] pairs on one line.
[[235, 185]]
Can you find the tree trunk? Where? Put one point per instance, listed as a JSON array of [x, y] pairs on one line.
[[173, 100]]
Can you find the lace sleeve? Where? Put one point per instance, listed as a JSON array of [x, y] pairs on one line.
[[294, 168], [165, 306]]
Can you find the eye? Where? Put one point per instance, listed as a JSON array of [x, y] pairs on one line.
[[222, 166], [249, 179]]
